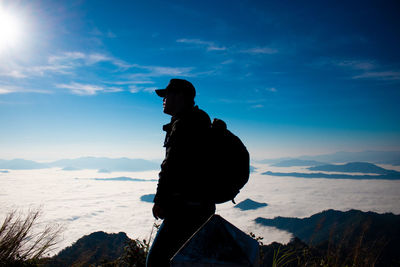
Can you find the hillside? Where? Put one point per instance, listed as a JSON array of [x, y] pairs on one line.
[[373, 232], [95, 248], [362, 167]]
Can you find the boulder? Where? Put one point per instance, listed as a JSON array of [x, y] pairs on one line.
[[218, 243]]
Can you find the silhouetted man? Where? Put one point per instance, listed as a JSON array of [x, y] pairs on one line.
[[181, 198]]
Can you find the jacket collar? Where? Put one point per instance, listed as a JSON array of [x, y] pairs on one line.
[[168, 127]]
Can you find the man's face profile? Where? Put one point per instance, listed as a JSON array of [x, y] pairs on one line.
[[171, 103]]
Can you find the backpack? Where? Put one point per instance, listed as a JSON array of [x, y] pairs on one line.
[[230, 162]]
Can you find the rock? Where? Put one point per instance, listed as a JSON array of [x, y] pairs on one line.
[[218, 243]]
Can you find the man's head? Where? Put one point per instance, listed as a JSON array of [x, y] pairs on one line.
[[178, 96]]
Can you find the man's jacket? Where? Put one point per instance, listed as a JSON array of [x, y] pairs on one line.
[[183, 177]]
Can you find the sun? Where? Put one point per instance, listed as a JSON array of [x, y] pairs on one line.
[[10, 30]]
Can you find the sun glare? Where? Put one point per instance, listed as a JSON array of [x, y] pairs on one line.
[[10, 30]]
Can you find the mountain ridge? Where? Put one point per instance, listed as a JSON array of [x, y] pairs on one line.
[[99, 163], [374, 156], [363, 167]]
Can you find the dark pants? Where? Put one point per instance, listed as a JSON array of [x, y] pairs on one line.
[[173, 233]]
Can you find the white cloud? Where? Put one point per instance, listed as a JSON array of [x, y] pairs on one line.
[[97, 32], [110, 34], [113, 89], [64, 63], [226, 62], [135, 89], [88, 89], [13, 89], [356, 64], [81, 89], [14, 74], [149, 89], [78, 59], [66, 57], [363, 69], [210, 46], [258, 106], [260, 50], [380, 75], [131, 82], [42, 70], [96, 58], [4, 91], [161, 71], [105, 208], [157, 71], [271, 89]]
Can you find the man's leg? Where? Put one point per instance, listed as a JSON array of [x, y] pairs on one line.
[[173, 233]]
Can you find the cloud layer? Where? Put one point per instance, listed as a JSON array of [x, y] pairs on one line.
[[86, 205]]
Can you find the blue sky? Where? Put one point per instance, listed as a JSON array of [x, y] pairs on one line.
[[77, 78]]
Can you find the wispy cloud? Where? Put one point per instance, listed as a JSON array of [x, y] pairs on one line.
[[157, 71], [380, 75], [4, 91], [14, 89], [87, 89], [363, 69], [71, 62], [130, 82], [267, 89], [66, 57], [213, 46], [65, 63], [136, 89], [98, 33], [79, 59], [260, 51], [13, 74], [210, 46], [356, 64], [257, 106]]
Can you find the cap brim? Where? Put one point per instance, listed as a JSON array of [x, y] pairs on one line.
[[161, 92]]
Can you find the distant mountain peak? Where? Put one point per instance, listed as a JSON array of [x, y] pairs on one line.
[[362, 167], [249, 204]]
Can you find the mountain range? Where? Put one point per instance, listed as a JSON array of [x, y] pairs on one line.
[[391, 176], [352, 167], [378, 157], [363, 167], [102, 164]]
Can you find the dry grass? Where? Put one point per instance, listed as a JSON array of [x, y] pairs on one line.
[[21, 241]]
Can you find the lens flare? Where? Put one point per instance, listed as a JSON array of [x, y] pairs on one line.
[[10, 30]]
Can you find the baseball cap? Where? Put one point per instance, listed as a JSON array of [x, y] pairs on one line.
[[178, 85]]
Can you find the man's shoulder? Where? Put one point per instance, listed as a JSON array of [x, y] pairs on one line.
[[195, 118], [201, 115]]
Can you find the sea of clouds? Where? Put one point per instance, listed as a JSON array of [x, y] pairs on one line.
[[84, 201]]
